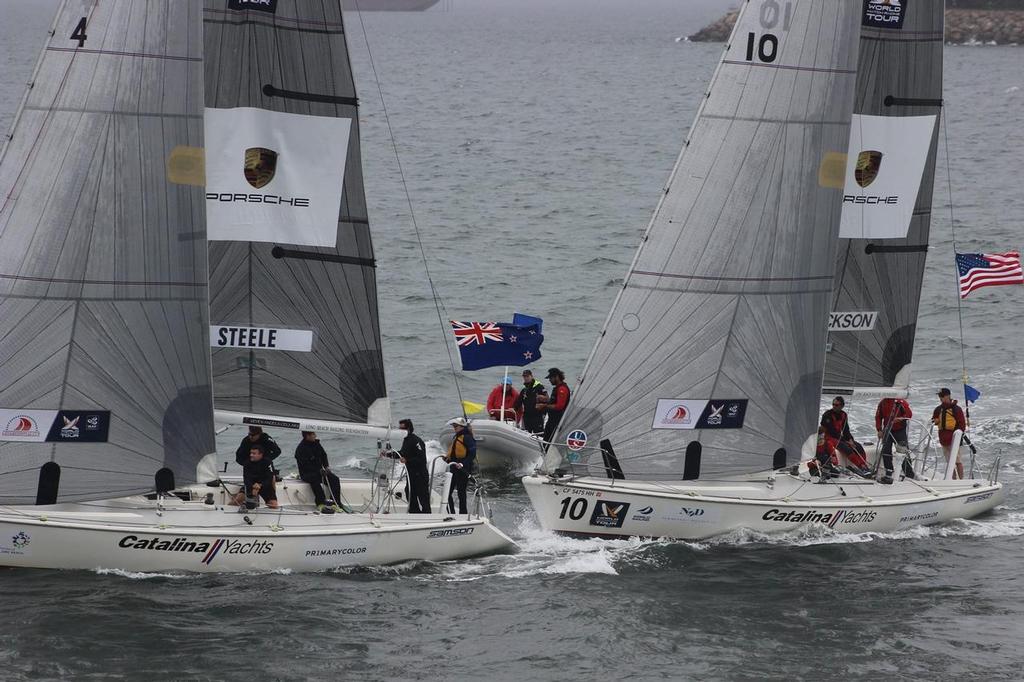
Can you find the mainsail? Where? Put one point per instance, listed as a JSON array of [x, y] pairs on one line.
[[294, 296], [104, 361], [717, 336], [879, 271]]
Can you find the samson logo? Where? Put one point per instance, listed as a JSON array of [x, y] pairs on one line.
[[830, 519], [209, 550], [851, 322], [259, 5], [884, 13], [449, 532], [868, 165]]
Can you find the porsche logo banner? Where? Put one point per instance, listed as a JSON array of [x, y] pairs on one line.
[[884, 166], [274, 177]]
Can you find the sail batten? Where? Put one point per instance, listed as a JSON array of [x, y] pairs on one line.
[[280, 71], [712, 338]]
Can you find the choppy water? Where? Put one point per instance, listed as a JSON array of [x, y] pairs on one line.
[[535, 138]]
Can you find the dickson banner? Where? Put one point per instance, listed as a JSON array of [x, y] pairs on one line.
[[273, 176], [884, 167]]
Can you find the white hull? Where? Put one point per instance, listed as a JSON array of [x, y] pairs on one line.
[[703, 509], [501, 447], [137, 534]]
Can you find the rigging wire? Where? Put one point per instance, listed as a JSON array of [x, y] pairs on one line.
[[442, 312], [952, 229]]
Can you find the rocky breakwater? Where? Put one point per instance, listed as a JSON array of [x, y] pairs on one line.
[[964, 25]]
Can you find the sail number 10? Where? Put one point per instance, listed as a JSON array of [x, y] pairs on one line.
[[766, 48], [574, 507]]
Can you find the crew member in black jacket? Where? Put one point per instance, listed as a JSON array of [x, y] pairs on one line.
[[313, 468], [533, 419], [413, 455], [258, 479], [256, 437]]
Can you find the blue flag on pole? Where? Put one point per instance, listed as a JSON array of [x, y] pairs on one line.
[[520, 320], [971, 394], [494, 344]]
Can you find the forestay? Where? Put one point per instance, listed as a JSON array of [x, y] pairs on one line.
[[879, 270], [717, 335], [104, 364], [294, 295]]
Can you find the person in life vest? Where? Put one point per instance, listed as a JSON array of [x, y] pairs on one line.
[[555, 406], [891, 418], [837, 439], [504, 395], [461, 457], [949, 418], [527, 403]]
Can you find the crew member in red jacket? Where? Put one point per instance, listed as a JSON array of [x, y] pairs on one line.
[[949, 417], [495, 401], [891, 425], [838, 439], [555, 407]]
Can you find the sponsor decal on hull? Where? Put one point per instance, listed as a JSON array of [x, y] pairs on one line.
[[449, 532], [692, 514], [17, 545], [643, 514], [208, 549], [979, 498], [608, 514], [830, 519], [335, 551]]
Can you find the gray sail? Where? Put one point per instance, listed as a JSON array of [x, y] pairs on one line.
[[716, 338], [104, 365], [277, 64], [878, 278]]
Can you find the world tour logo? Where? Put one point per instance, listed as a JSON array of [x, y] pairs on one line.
[[209, 550], [884, 13], [830, 519]]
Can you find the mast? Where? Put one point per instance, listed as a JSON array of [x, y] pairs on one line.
[[296, 332], [712, 341], [104, 364]]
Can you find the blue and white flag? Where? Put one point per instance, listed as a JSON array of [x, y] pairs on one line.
[[494, 344]]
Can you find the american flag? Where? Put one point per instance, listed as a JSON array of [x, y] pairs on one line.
[[468, 333], [978, 270]]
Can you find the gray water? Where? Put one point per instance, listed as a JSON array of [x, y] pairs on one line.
[[535, 138]]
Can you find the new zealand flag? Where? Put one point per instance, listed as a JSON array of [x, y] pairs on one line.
[[494, 344]]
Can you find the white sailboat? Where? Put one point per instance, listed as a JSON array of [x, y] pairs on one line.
[[106, 384], [703, 388]]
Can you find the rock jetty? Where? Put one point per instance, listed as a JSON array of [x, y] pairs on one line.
[[964, 24]]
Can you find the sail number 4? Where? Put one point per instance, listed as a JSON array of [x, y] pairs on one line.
[[79, 33], [766, 48], [574, 507]]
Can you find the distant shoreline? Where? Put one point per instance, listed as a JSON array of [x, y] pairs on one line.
[[963, 27]]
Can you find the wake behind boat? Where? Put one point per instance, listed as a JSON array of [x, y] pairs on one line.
[[704, 385], [108, 391]]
